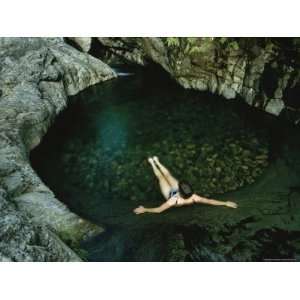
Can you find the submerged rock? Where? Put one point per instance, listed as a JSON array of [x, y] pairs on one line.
[[37, 76]]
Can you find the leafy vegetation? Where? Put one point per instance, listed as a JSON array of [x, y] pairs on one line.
[[194, 45]]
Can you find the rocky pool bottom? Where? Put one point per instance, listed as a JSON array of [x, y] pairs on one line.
[[94, 158]]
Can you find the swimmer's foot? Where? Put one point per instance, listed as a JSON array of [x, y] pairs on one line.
[[155, 159], [150, 160]]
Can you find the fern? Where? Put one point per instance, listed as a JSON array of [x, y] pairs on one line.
[[234, 45], [194, 49], [190, 45], [192, 40], [173, 42]]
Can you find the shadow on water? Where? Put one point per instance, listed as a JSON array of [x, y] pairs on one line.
[[94, 158]]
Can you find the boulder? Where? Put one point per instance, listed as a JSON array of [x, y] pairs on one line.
[[37, 76], [84, 43]]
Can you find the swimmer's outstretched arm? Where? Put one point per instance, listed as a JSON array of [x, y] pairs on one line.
[[196, 199], [156, 210], [204, 200]]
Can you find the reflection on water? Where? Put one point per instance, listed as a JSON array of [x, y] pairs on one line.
[[95, 159], [113, 131]]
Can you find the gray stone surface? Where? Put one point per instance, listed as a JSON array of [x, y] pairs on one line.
[[83, 42], [36, 77], [222, 66], [21, 239]]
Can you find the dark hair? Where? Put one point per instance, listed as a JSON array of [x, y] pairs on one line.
[[185, 189]]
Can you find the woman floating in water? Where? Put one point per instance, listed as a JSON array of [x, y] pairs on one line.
[[176, 193]]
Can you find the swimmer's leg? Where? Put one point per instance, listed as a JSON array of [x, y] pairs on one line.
[[163, 183], [172, 180]]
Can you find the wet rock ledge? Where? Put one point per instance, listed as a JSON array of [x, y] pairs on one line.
[[36, 77], [263, 72]]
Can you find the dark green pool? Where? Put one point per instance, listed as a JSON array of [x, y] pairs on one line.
[[95, 160]]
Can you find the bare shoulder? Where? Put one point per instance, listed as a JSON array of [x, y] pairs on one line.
[[195, 197], [188, 201], [171, 201]]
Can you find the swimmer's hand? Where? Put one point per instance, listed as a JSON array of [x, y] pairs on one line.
[[231, 204], [139, 210]]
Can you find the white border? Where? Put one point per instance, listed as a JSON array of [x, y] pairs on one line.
[[149, 18], [149, 281]]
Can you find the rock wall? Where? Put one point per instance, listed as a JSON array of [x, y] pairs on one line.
[[264, 72], [36, 77], [21, 239]]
